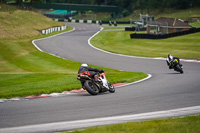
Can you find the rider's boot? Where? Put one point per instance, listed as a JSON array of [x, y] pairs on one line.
[[170, 67], [96, 78]]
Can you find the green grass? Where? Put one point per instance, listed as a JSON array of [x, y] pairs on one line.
[[15, 85], [196, 24], [23, 24], [189, 124], [187, 46], [26, 71], [8, 8], [181, 14], [113, 28]]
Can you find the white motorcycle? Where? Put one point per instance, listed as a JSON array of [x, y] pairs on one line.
[[95, 87]]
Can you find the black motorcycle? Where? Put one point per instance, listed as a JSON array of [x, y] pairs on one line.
[[175, 64]]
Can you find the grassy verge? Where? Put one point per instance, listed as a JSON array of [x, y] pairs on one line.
[[196, 24], [189, 124], [113, 28], [26, 71], [187, 46]]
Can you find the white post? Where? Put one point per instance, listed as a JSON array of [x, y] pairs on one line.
[[167, 27], [80, 21], [43, 31], [89, 21]]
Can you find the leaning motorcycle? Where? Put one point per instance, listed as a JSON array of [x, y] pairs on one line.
[[95, 87], [175, 65]]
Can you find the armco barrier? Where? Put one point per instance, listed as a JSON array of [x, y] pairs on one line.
[[96, 21], [162, 36], [50, 30], [93, 21], [118, 22], [83, 21], [90, 21]]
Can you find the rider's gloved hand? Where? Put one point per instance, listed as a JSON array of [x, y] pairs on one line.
[[101, 71]]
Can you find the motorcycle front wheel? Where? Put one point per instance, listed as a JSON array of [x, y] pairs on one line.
[[91, 87], [111, 87]]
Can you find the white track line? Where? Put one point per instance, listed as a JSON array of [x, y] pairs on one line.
[[49, 37], [78, 124], [148, 77]]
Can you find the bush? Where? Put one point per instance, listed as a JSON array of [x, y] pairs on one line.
[[125, 13]]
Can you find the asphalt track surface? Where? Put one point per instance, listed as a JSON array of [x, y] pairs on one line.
[[166, 90]]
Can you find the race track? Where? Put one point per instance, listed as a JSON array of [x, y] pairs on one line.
[[166, 90]]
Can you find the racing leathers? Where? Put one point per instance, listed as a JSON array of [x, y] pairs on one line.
[[171, 58], [94, 72]]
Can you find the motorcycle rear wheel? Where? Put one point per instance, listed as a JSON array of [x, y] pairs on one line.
[[91, 87], [179, 69]]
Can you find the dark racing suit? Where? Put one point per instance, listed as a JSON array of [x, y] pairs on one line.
[[92, 71], [170, 67]]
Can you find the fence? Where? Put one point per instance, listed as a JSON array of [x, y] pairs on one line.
[[163, 36], [53, 29]]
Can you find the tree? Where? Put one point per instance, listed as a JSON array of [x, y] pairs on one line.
[[183, 4], [141, 5], [19, 3]]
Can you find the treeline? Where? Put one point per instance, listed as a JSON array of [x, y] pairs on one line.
[[136, 4], [128, 6]]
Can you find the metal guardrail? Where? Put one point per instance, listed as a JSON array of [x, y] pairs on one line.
[[53, 29]]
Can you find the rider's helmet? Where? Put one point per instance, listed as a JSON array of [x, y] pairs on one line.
[[170, 57], [84, 65]]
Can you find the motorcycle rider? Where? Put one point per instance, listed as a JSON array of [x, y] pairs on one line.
[[171, 58], [94, 72]]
